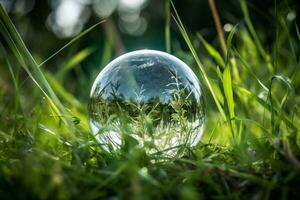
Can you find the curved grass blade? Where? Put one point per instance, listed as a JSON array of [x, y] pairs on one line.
[[265, 104], [276, 118]]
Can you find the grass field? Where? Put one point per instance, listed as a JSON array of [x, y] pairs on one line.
[[251, 143]]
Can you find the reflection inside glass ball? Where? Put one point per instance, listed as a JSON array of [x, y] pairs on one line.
[[150, 98]]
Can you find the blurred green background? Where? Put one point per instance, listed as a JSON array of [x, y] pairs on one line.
[[46, 26]]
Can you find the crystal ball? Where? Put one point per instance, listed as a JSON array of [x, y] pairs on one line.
[[148, 99]]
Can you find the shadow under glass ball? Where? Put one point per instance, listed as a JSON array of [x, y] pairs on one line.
[[151, 97]]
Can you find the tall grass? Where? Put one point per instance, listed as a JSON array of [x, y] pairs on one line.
[[250, 148]]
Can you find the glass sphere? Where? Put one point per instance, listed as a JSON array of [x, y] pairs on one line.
[[149, 99]]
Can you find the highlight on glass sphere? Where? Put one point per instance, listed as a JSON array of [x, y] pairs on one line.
[[150, 98]]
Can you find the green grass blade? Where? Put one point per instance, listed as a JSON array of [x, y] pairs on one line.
[[253, 32], [197, 59], [227, 86], [72, 41], [4, 32], [229, 41], [77, 109], [15, 79], [298, 32], [61, 91], [15, 42], [212, 51], [75, 60], [167, 26], [106, 53], [247, 66], [287, 31]]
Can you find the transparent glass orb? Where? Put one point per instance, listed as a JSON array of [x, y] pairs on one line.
[[150, 99]]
